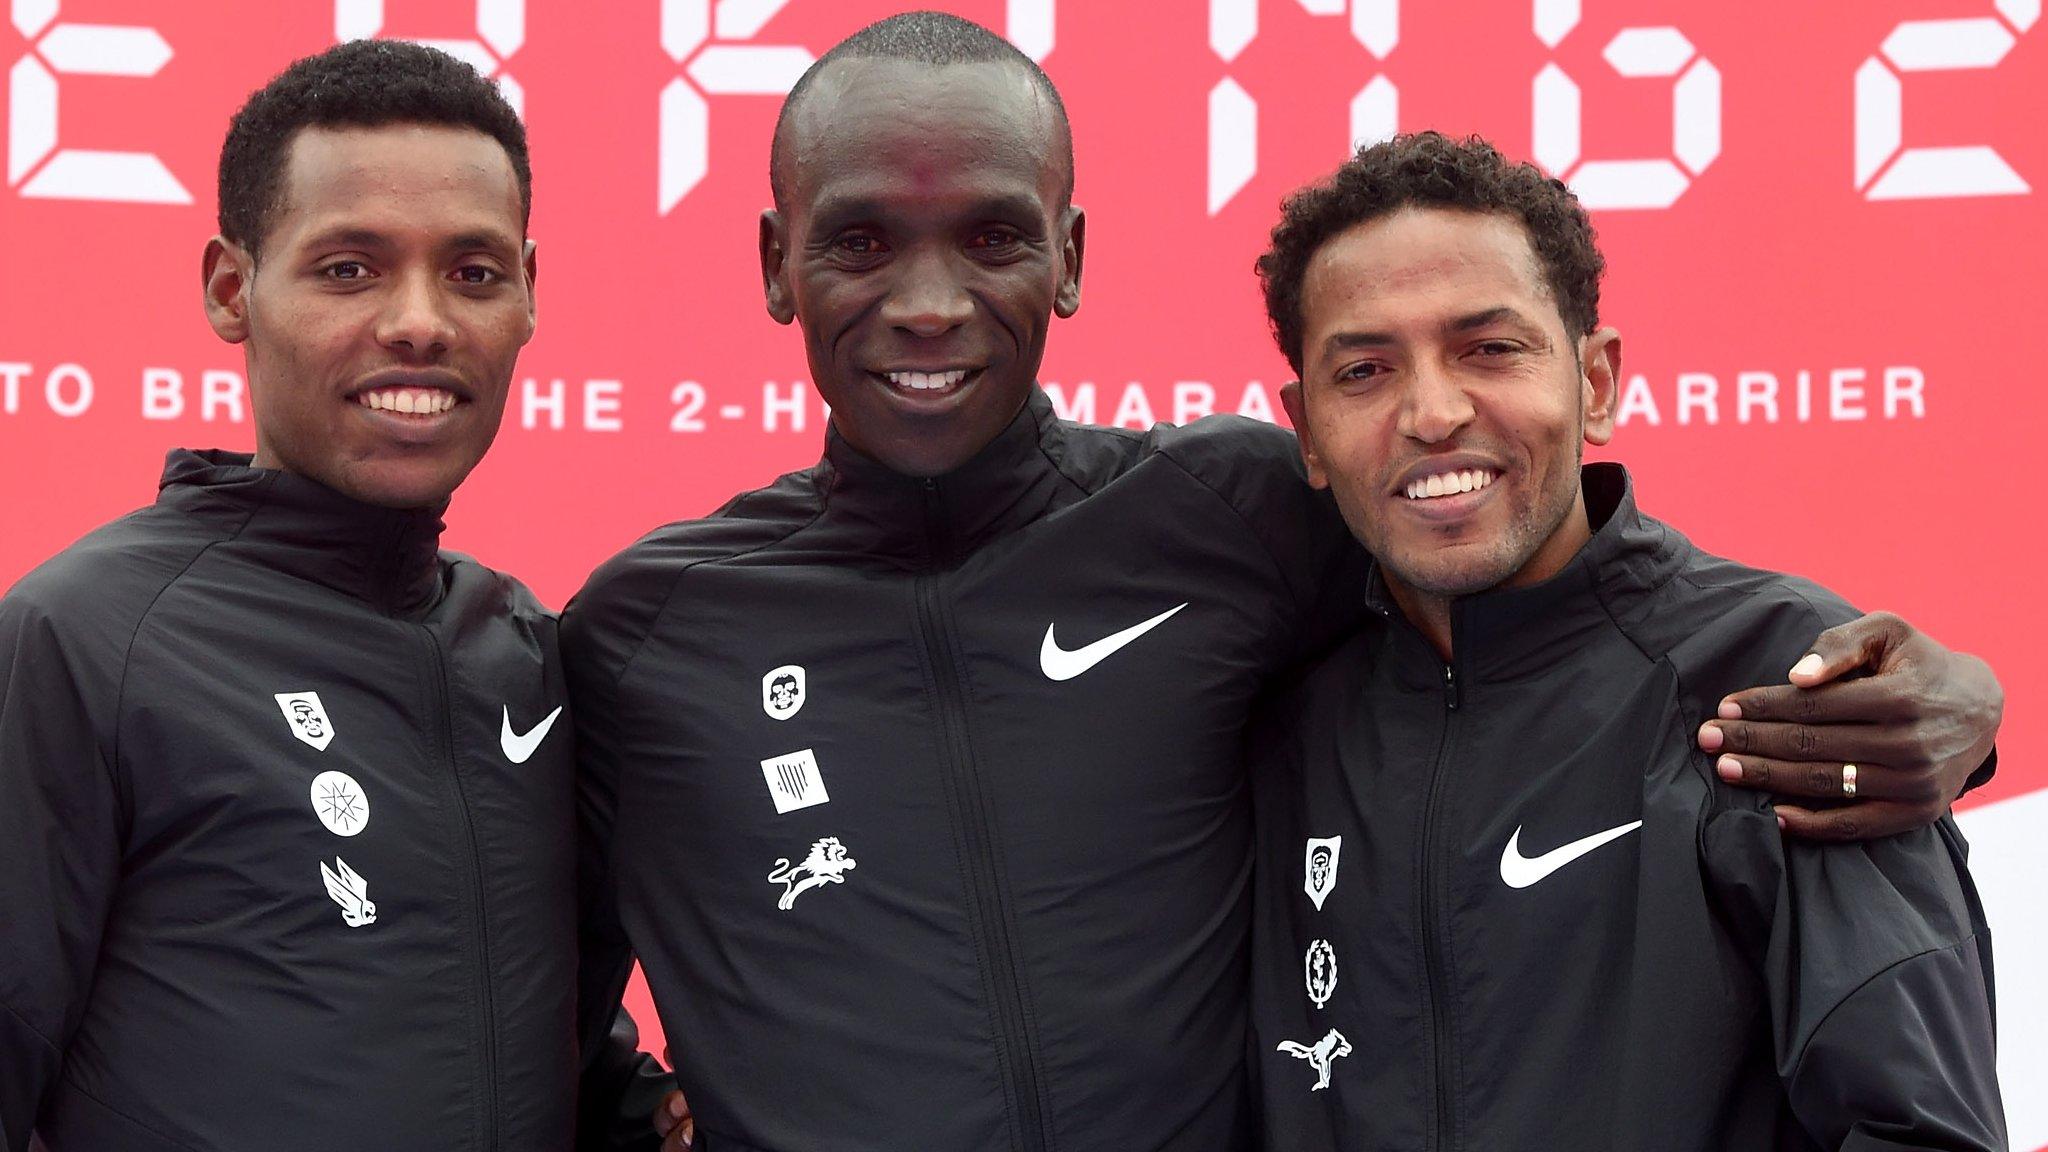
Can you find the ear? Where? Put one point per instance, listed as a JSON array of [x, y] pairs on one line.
[[1600, 360], [1074, 230], [225, 271], [529, 263], [774, 263], [1292, 399]]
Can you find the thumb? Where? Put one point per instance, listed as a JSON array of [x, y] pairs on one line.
[[1860, 645]]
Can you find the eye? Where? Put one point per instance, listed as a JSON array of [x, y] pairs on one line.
[[996, 238], [1496, 348], [859, 244], [1363, 370], [346, 270], [477, 274]]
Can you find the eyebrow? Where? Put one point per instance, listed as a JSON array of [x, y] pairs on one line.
[[834, 214], [369, 238], [1350, 341]]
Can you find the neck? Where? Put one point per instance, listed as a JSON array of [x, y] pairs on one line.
[[1430, 612]]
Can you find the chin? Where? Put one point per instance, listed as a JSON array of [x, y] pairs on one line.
[[408, 487]]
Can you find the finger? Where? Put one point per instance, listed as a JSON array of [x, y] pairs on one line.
[[672, 1111], [1855, 822], [1874, 782], [1861, 643], [1808, 743], [1870, 699]]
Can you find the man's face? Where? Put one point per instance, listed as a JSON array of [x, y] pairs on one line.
[[1443, 402], [923, 247], [383, 319]]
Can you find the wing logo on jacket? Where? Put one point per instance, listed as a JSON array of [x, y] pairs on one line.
[[350, 891], [827, 864], [302, 710], [1320, 1055]]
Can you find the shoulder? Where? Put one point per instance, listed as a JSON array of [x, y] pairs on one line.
[[74, 618], [1231, 451], [104, 584], [1724, 625], [626, 593]]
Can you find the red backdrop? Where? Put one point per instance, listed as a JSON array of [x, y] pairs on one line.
[[1821, 220]]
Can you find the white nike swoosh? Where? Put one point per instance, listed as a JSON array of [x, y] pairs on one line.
[[1520, 871], [1060, 664], [518, 749]]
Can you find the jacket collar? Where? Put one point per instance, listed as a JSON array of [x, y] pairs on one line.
[[1510, 632], [938, 521], [387, 557]]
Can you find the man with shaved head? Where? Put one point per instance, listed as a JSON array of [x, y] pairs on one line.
[[914, 778]]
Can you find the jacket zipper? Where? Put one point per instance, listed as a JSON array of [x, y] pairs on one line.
[[991, 917], [1435, 978], [474, 883]]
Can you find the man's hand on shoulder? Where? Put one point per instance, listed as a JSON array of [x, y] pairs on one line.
[[1878, 715]]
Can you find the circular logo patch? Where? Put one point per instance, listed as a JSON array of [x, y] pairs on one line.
[[339, 802]]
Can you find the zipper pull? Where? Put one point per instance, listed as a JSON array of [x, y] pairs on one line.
[[1450, 688]]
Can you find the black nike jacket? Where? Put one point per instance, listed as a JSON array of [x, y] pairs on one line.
[[286, 835], [924, 800], [1505, 903]]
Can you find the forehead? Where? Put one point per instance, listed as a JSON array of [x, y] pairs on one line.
[[879, 129], [1423, 258], [397, 177]]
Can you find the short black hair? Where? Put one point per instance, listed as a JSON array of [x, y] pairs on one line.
[[924, 38], [359, 84], [1431, 170]]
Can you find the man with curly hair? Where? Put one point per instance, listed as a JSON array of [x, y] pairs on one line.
[[1504, 901]]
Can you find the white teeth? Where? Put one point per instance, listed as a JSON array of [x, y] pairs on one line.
[[1449, 483], [411, 401], [927, 381]]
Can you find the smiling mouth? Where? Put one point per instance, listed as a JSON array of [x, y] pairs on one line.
[[1450, 483], [925, 385], [411, 401]]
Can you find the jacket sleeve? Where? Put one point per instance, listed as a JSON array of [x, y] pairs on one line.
[[1877, 963], [60, 857], [621, 1086]]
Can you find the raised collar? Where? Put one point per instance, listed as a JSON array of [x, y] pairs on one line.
[[1507, 633], [938, 521], [386, 557]]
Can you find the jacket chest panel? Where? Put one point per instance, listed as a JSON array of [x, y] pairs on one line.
[[308, 775]]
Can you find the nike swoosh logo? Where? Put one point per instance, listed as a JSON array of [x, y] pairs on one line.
[[519, 749], [1520, 871], [1060, 664]]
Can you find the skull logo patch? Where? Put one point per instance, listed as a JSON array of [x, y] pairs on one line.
[[782, 691]]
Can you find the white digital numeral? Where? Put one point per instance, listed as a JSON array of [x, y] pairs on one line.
[[1634, 52], [1932, 46], [710, 41], [500, 29], [79, 50], [1234, 114]]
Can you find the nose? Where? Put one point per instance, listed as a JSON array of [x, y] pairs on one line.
[[1435, 406], [928, 297], [416, 317]]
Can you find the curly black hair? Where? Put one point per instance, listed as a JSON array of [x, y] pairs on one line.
[[1431, 170], [360, 84]]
